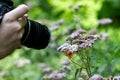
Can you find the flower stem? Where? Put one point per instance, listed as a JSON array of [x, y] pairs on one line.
[[88, 64], [75, 63], [85, 62]]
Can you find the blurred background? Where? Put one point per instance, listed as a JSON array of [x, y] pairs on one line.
[[63, 17]]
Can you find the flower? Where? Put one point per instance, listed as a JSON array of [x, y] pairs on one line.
[[84, 76], [64, 48], [45, 77], [47, 70], [69, 54], [42, 65], [83, 45], [54, 27], [105, 21], [78, 41], [96, 77], [96, 37], [68, 49], [116, 78], [92, 37], [89, 37], [3, 73], [104, 36], [81, 31], [67, 68], [74, 35], [22, 63], [56, 76], [77, 7], [65, 62], [86, 44], [69, 38], [93, 31], [60, 22], [74, 48]]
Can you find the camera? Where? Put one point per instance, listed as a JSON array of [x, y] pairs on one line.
[[36, 35]]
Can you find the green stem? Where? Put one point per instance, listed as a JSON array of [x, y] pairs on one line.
[[88, 63], [75, 63], [83, 58]]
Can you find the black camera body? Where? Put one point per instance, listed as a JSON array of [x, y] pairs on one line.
[[36, 35]]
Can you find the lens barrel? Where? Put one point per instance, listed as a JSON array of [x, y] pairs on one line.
[[36, 35]]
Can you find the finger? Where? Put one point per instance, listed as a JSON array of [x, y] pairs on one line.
[[17, 12], [22, 21], [20, 34], [25, 16], [16, 26]]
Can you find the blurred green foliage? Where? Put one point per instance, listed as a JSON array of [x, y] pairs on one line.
[[75, 14]]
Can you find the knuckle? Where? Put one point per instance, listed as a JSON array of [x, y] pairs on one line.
[[17, 28], [7, 18]]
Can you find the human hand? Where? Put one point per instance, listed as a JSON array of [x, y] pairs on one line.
[[12, 29]]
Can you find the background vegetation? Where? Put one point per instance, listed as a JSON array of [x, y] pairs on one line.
[[63, 17]]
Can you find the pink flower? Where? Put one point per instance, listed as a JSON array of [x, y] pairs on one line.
[[47, 70], [65, 62], [96, 77]]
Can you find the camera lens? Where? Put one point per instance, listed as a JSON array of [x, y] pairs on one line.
[[36, 36]]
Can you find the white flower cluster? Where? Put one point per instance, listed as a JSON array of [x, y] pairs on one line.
[[96, 77], [67, 47], [55, 76], [78, 41], [22, 63], [99, 77]]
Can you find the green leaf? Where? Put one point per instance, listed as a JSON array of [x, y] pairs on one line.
[[78, 70]]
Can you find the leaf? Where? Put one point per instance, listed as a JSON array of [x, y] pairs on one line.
[[78, 70], [81, 69]]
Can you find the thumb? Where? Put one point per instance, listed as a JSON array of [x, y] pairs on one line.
[[17, 12]]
